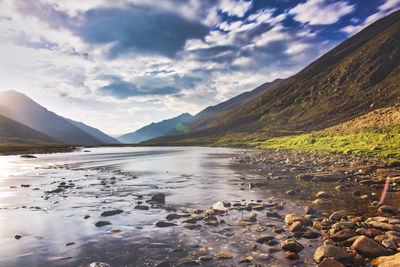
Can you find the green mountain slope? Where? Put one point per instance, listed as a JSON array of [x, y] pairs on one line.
[[356, 77]]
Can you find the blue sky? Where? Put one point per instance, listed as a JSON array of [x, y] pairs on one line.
[[119, 65]]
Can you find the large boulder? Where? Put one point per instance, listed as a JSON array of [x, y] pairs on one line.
[[368, 248], [330, 251]]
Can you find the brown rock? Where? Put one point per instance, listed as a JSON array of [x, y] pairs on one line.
[[329, 251], [389, 261], [264, 239], [368, 247], [292, 246], [292, 256], [343, 235], [330, 262]]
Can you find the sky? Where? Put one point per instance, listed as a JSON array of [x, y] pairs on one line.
[[120, 65]]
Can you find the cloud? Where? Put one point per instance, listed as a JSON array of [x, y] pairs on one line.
[[39, 42], [320, 12], [235, 7], [122, 89], [127, 30]]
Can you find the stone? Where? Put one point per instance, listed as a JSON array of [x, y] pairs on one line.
[[387, 261], [264, 239], [368, 248], [192, 226], [388, 209], [389, 243], [188, 262], [311, 235], [343, 235], [205, 258], [158, 198], [297, 227], [223, 256], [102, 223], [330, 251], [292, 256], [165, 224], [337, 216], [330, 262], [291, 218], [141, 207], [111, 213], [305, 177], [99, 264], [27, 156], [292, 246], [244, 260], [17, 237], [383, 226], [163, 264], [322, 194], [290, 192]]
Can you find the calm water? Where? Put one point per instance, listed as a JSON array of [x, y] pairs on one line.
[[190, 177]]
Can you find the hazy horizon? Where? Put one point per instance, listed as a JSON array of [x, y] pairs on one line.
[[120, 66]]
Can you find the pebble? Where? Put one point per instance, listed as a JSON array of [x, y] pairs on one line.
[[102, 223], [111, 213]]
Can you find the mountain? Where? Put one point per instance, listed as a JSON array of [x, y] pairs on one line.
[[358, 76], [12, 129], [157, 129], [99, 135], [22, 109]]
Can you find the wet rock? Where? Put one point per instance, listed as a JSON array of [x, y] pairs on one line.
[[389, 243], [141, 207], [330, 262], [259, 207], [290, 192], [69, 244], [343, 235], [102, 223], [188, 262], [292, 246], [322, 194], [387, 261], [25, 185], [205, 258], [165, 224], [244, 260], [17, 237], [291, 218], [223, 256], [343, 225], [226, 204], [192, 226], [99, 264], [337, 216], [292, 256], [264, 239], [273, 215], [388, 209], [340, 188], [116, 230], [310, 210], [368, 247], [158, 198], [311, 235], [28, 156], [111, 213], [329, 251], [86, 217], [297, 227]]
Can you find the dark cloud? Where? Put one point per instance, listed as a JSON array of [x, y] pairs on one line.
[[129, 29], [122, 89]]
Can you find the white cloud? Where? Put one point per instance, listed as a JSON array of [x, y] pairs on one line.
[[319, 12], [235, 7]]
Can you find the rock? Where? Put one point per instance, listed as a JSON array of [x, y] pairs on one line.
[[273, 214], [158, 198], [116, 230], [205, 258], [219, 206], [297, 227], [388, 261], [368, 247], [311, 235], [343, 225], [343, 235], [292, 246], [340, 188], [310, 210], [163, 264], [292, 256], [244, 260], [290, 192], [337, 216], [383, 226], [322, 194], [165, 224], [264, 239], [111, 213], [226, 204], [388, 209], [389, 243], [172, 216], [330, 262], [102, 223], [27, 156], [305, 177], [86, 217], [223, 256], [17, 237], [329, 251], [291, 218], [188, 262], [192, 226], [141, 207], [99, 264]]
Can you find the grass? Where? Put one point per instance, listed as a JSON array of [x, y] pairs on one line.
[[12, 146], [376, 142]]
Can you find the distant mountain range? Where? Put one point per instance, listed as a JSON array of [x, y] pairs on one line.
[[356, 77], [161, 128], [27, 119]]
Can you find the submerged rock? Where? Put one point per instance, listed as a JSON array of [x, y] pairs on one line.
[[99, 264], [158, 198], [264, 239], [165, 224], [292, 246], [292, 256], [102, 223]]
